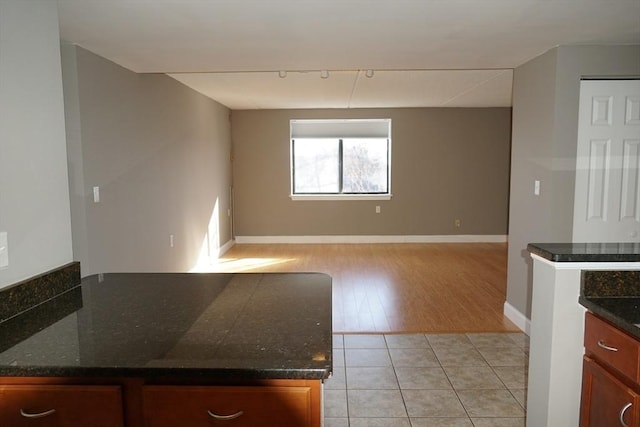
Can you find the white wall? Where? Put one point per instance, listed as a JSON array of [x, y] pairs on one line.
[[34, 191], [546, 93]]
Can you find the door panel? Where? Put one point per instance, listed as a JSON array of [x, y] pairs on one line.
[[607, 192]]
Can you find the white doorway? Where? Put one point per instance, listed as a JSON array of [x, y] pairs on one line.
[[607, 191]]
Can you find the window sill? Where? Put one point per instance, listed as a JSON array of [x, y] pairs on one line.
[[316, 197]]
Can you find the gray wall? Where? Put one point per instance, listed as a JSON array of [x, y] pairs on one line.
[[34, 192], [447, 163], [546, 92], [160, 153]]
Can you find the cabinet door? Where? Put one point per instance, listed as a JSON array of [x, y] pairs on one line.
[[611, 346], [607, 402], [170, 406], [60, 406]]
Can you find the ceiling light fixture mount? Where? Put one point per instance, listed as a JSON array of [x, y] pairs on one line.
[[324, 74]]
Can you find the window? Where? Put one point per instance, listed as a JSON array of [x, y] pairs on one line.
[[340, 158]]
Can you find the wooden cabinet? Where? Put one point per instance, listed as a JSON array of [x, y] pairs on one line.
[[610, 384], [139, 402], [605, 399], [61, 406], [612, 347], [168, 406]]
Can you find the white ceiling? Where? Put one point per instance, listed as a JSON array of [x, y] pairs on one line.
[[452, 53]]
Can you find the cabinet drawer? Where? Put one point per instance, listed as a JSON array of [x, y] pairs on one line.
[[612, 346], [61, 406], [168, 406], [606, 400]]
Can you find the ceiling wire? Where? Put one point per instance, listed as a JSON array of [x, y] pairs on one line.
[[353, 87], [474, 87]]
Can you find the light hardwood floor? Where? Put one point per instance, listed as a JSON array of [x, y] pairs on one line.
[[394, 288]]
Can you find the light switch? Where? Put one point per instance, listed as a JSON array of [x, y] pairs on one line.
[[96, 194], [4, 250], [536, 187]]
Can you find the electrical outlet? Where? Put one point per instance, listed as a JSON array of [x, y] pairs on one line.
[[377, 209], [457, 223]]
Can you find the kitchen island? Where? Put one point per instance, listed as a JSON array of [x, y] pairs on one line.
[[557, 324], [160, 349]]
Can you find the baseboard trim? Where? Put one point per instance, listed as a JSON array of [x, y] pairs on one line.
[[519, 319], [454, 238], [225, 248]]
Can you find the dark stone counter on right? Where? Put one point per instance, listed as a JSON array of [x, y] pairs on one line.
[[586, 252], [613, 295]]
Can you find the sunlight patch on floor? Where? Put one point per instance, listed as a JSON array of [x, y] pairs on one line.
[[237, 265]]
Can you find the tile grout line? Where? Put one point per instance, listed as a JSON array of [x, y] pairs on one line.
[[395, 373], [515, 344], [450, 382], [512, 343], [498, 376], [346, 386]]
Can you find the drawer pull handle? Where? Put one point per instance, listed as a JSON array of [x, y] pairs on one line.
[[37, 415], [606, 347], [622, 411], [225, 417]]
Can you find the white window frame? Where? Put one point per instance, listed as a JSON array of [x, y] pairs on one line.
[[339, 128]]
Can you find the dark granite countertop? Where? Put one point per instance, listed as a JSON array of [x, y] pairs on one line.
[[622, 312], [188, 325], [587, 252], [613, 295]]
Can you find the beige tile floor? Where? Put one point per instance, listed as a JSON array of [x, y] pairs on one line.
[[428, 380]]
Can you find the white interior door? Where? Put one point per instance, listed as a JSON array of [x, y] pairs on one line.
[[607, 192]]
